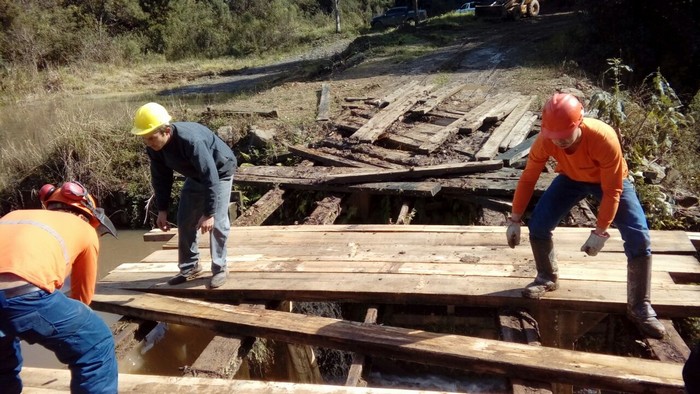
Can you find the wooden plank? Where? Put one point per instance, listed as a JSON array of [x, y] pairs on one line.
[[158, 235], [262, 209], [490, 148], [438, 97], [424, 189], [376, 126], [516, 153], [324, 104], [326, 158], [412, 173], [480, 291], [453, 351], [40, 380], [567, 239], [367, 160], [519, 132], [517, 269]]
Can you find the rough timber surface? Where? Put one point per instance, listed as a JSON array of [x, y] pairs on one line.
[[433, 265], [45, 380], [453, 351]]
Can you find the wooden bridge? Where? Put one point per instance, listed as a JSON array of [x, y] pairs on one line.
[[415, 144], [420, 265]]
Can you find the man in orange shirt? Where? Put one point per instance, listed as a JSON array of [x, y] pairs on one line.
[[589, 162], [40, 249]]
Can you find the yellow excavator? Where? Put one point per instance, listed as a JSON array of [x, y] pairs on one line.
[[509, 9]]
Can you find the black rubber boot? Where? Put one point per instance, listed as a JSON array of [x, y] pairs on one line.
[[547, 270], [639, 308]]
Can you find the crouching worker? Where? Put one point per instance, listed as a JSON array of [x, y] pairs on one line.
[[590, 163], [40, 249], [208, 165]]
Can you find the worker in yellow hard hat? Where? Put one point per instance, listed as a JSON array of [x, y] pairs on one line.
[[590, 163], [208, 165], [40, 249]]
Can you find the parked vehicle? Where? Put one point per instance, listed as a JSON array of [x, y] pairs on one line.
[[398, 16], [466, 9], [508, 9]]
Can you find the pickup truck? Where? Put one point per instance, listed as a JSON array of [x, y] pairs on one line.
[[398, 16]]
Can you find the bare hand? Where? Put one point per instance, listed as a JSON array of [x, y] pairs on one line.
[[162, 221], [206, 223]]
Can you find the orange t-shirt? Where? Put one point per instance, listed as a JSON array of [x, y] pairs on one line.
[[597, 159], [44, 247]]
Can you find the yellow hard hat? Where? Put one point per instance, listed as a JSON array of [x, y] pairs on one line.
[[149, 117]]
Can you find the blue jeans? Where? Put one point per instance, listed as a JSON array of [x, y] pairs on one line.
[[189, 212], [564, 193], [65, 326]]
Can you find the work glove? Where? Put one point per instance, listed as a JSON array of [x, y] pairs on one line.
[[513, 233], [594, 243]]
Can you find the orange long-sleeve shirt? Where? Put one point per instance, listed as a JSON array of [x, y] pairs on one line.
[[44, 247], [597, 159]]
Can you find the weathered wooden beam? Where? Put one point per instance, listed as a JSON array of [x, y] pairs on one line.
[[519, 132], [412, 173], [518, 326], [453, 351], [490, 148], [326, 212], [326, 158], [511, 156], [437, 97], [381, 121], [672, 348], [262, 209], [358, 360]]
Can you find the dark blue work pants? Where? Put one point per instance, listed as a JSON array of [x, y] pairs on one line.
[[69, 328]]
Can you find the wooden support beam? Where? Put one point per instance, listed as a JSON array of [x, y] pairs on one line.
[[518, 326], [128, 333], [438, 97], [261, 210], [303, 360], [413, 173], [326, 212], [453, 351], [358, 359], [672, 348], [327, 158]]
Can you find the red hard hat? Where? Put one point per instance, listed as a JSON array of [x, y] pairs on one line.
[[561, 115], [76, 197]]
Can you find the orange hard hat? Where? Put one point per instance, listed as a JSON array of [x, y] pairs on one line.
[[75, 197], [561, 115]]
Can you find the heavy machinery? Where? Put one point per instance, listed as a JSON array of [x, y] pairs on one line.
[[507, 9]]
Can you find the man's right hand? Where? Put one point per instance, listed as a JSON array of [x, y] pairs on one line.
[[162, 221], [513, 233]]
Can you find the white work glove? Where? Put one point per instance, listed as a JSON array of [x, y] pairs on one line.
[[594, 243], [513, 233]]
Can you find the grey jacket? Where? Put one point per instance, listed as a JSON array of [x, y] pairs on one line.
[[195, 152]]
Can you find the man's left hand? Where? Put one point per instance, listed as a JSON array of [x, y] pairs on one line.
[[206, 223], [594, 243]]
